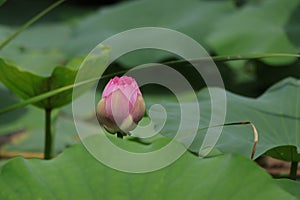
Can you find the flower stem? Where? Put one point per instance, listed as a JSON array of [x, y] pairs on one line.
[[30, 22], [51, 93], [293, 170], [49, 135]]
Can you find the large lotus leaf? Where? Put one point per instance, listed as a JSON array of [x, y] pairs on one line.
[[44, 36], [258, 27], [5, 31], [290, 186], [39, 48], [27, 85], [275, 114], [191, 17], [40, 62], [75, 174], [292, 28], [32, 139]]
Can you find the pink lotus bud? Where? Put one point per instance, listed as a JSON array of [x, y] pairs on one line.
[[122, 105]]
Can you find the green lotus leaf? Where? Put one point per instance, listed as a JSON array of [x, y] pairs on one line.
[[258, 27], [192, 17], [75, 174], [275, 114], [290, 186], [27, 84]]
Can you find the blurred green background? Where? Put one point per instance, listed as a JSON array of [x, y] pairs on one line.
[[222, 27]]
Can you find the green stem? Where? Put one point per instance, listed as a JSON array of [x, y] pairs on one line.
[[49, 135], [226, 58], [30, 22], [253, 56], [293, 170], [69, 87]]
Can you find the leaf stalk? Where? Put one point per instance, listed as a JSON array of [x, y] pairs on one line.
[[49, 135], [293, 170]]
